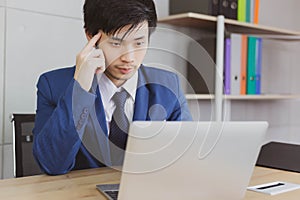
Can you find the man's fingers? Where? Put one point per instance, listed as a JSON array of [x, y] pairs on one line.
[[95, 63], [100, 70], [91, 44], [96, 53], [88, 62], [94, 40]]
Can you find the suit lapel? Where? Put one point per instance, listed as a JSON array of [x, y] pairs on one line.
[[141, 99], [141, 104], [99, 121], [100, 112]]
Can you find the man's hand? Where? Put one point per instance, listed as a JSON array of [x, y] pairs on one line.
[[89, 61]]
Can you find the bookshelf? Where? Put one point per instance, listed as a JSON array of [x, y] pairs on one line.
[[208, 22], [244, 97], [220, 25]]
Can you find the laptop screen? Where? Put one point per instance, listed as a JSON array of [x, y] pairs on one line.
[[190, 160]]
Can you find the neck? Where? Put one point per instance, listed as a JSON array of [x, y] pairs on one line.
[[116, 81]]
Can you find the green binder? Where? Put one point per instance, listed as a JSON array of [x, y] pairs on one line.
[[251, 85], [248, 10], [241, 10]]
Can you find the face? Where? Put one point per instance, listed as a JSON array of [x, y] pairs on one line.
[[124, 54]]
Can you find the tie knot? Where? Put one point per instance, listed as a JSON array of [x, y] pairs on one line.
[[119, 98]]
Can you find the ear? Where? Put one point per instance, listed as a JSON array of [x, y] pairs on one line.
[[88, 36]]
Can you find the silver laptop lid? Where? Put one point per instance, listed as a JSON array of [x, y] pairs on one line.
[[190, 160]]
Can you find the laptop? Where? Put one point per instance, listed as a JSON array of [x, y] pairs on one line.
[[188, 160]]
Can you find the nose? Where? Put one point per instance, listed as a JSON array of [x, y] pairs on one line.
[[128, 55]]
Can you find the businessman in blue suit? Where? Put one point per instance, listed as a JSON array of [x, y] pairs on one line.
[[79, 121]]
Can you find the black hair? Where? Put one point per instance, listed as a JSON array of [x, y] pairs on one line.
[[112, 15]]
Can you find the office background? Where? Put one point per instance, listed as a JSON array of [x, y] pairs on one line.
[[40, 35]]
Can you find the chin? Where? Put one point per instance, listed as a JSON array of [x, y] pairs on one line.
[[126, 77]]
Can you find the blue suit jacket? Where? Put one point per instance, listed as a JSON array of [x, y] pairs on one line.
[[70, 127]]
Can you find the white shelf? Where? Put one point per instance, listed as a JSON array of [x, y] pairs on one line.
[[245, 97], [263, 97], [199, 96], [207, 22]]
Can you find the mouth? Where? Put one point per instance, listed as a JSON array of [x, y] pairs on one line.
[[125, 69]]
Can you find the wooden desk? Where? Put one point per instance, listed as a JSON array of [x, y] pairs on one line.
[[81, 185], [265, 175]]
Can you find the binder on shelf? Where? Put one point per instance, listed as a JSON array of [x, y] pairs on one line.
[[227, 66], [223, 4], [248, 10], [203, 6], [236, 57], [244, 54], [256, 11], [232, 13], [251, 65], [214, 4], [252, 11], [228, 8], [258, 66], [241, 10]]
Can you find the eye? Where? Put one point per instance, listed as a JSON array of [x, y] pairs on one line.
[[116, 44], [140, 43]]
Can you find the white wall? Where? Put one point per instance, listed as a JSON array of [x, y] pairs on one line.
[[68, 8], [162, 8], [2, 20], [2, 2], [278, 13], [40, 36], [1, 160], [7, 160], [35, 43]]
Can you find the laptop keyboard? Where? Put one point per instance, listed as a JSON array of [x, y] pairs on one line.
[[113, 194]]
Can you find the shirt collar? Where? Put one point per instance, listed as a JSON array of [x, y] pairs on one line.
[[131, 85], [109, 89]]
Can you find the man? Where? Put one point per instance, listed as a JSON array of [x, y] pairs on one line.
[[80, 120]]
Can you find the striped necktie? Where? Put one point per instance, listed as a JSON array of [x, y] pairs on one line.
[[119, 124]]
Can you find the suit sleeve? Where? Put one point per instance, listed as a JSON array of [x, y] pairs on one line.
[[181, 111], [59, 126]]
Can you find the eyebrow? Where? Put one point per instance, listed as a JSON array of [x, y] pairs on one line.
[[121, 39], [139, 38], [116, 38]]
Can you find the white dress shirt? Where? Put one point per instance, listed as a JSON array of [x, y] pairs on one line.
[[108, 89]]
